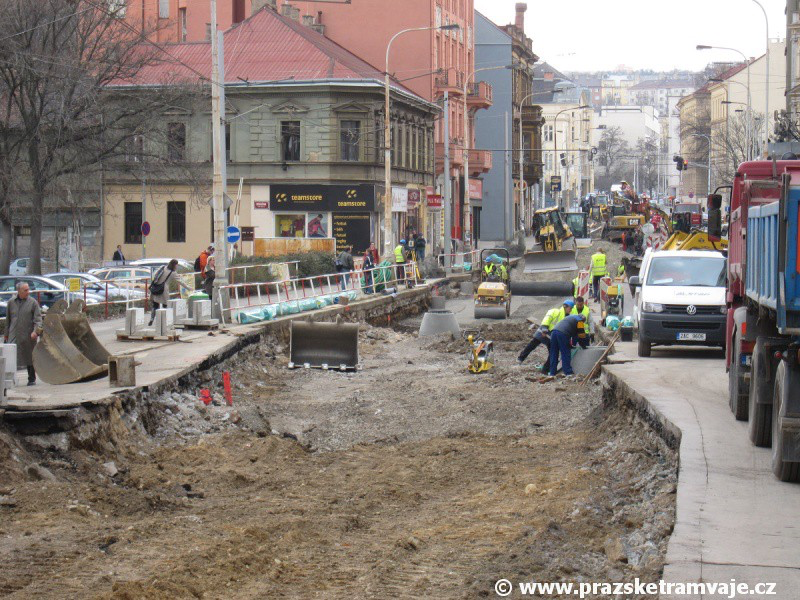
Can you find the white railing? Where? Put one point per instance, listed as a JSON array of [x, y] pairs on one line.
[[306, 293], [457, 260]]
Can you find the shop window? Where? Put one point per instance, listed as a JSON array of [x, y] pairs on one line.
[[350, 137], [290, 141], [176, 141], [133, 222], [290, 226], [318, 225], [176, 222]]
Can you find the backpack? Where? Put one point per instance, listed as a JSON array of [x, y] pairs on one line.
[[197, 265], [157, 287]]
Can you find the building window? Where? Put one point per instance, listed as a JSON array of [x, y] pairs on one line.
[[548, 133], [133, 222], [176, 141], [407, 149], [183, 23], [134, 151], [290, 141], [228, 142], [176, 222], [163, 9], [350, 140]]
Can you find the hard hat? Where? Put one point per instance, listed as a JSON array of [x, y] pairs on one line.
[[402, 241], [569, 303], [488, 259]]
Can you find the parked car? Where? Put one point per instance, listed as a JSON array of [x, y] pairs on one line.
[[184, 266], [97, 286], [19, 266], [138, 276], [47, 291]]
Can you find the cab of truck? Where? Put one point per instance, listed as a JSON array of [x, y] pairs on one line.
[[680, 299]]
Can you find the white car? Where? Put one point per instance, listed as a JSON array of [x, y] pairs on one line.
[[99, 287], [184, 266], [680, 299]]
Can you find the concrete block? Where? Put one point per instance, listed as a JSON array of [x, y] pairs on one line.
[[134, 320], [180, 309], [584, 360], [201, 311], [9, 354], [435, 322], [164, 323], [121, 371]]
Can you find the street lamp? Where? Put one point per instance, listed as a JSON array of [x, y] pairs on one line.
[[746, 62], [467, 208], [387, 133], [555, 135], [766, 79]]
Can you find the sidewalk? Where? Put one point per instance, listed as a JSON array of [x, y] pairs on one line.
[[734, 520]]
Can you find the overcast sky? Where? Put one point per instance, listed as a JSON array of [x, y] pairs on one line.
[[590, 35]]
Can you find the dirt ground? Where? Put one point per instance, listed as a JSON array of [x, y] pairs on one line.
[[409, 479]]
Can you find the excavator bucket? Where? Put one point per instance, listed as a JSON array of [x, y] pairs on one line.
[[560, 260], [68, 350], [324, 345]]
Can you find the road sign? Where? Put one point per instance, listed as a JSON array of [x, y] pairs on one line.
[[691, 194], [555, 183], [73, 284], [234, 234], [248, 234], [145, 229]]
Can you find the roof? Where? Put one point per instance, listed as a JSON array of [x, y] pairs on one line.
[[265, 48], [545, 78]]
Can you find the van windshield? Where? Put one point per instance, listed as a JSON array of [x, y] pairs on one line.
[[696, 271]]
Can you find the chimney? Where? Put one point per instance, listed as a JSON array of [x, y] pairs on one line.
[[259, 4], [286, 9], [308, 20], [519, 22]]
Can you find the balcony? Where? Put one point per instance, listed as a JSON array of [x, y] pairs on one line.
[[479, 95], [480, 161], [456, 154], [450, 81]]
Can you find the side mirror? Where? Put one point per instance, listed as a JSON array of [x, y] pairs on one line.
[[634, 281]]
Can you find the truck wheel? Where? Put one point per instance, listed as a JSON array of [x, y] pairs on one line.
[[644, 346], [783, 470], [760, 398], [737, 400]]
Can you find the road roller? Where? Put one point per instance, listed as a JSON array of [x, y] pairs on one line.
[[493, 296]]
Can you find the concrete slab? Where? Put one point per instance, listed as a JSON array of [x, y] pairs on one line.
[[734, 519]]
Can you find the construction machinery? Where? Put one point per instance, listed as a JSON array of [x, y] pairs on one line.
[[480, 353], [493, 296], [555, 248], [694, 240], [578, 223], [324, 345], [68, 350]]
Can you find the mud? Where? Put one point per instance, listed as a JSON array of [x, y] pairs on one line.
[[411, 478]]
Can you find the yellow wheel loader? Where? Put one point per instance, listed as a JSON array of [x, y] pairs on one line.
[[493, 296], [555, 243]]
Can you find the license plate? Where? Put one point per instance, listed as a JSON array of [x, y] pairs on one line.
[[692, 337], [747, 359]]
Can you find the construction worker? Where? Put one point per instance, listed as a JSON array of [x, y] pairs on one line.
[[575, 285], [566, 334], [599, 270], [621, 270], [542, 335], [582, 309], [500, 267], [400, 261], [488, 269]]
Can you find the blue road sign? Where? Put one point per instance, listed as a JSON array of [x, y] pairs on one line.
[[234, 234]]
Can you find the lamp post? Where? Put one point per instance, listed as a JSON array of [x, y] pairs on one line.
[[749, 96], [766, 78], [555, 140], [387, 137], [467, 208]]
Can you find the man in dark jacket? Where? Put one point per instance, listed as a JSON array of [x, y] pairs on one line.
[[345, 266], [118, 255], [569, 331], [23, 327]]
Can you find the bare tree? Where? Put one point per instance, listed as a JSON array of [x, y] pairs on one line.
[[647, 153], [611, 151], [59, 63]]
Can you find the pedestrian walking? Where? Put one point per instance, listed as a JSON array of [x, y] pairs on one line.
[[119, 256], [23, 327], [542, 335], [368, 263], [344, 266], [569, 332], [210, 272], [159, 287]]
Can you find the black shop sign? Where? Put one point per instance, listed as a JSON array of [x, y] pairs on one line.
[[322, 198], [352, 230]]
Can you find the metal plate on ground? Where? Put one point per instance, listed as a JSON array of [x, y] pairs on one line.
[[584, 360]]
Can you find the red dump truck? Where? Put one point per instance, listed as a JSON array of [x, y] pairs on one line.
[[763, 324]]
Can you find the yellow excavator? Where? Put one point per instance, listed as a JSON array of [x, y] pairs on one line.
[[555, 243], [694, 240]]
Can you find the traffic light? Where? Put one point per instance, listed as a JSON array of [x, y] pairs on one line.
[[680, 163], [563, 159]]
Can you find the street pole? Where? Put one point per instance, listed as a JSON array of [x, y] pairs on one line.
[[218, 181], [144, 214], [507, 218], [448, 246], [766, 79]]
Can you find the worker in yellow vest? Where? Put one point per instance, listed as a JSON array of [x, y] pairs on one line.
[[542, 335], [599, 270], [582, 309], [400, 262], [575, 285]]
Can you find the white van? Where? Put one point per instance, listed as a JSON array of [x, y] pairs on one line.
[[680, 299]]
